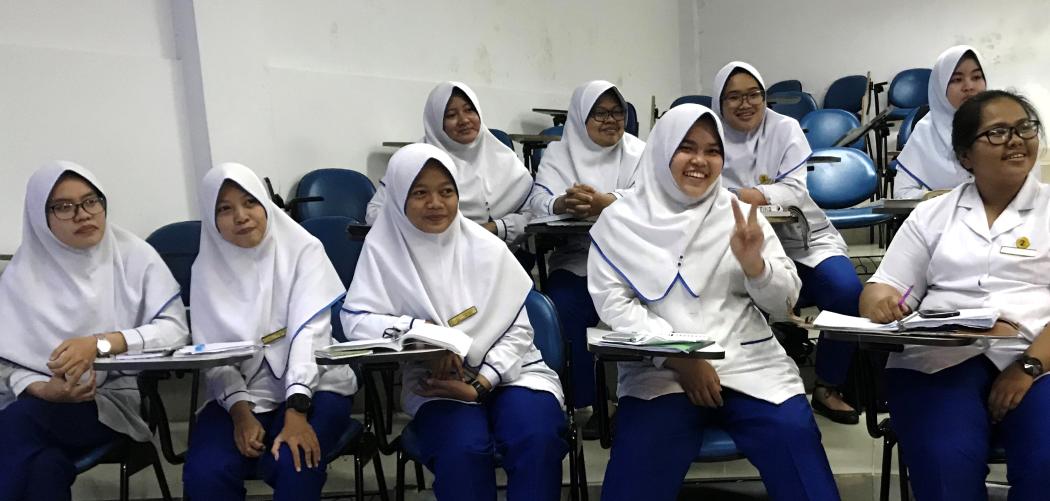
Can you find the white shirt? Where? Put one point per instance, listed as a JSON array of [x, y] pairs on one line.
[[947, 252]]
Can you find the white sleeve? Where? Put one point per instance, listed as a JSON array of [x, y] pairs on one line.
[[18, 379], [167, 329], [502, 363], [541, 201], [905, 184], [511, 227], [906, 262], [302, 372], [790, 189], [776, 290], [363, 325], [226, 385], [375, 204]]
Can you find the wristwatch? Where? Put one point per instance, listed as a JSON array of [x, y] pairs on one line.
[[481, 389], [102, 346], [299, 402], [1031, 366]]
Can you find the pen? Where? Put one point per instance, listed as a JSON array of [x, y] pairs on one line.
[[905, 296]]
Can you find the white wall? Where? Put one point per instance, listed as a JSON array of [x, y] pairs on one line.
[[97, 83]]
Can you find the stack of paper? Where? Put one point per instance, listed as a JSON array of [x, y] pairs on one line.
[[683, 342], [973, 318], [340, 353], [212, 348]]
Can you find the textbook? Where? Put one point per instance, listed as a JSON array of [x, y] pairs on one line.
[[683, 342], [973, 318], [211, 348], [448, 338]]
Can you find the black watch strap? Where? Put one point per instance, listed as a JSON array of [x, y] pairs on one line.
[[1031, 366], [300, 403], [481, 389]]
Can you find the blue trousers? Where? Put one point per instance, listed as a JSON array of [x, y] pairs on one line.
[[576, 311], [945, 432], [460, 442], [215, 469], [40, 441], [656, 441], [833, 285]]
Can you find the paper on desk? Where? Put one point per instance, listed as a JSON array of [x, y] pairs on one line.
[[971, 318], [549, 219], [209, 348]]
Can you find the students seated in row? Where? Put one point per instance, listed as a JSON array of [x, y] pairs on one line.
[[261, 277], [928, 161], [582, 174], [986, 244], [765, 163], [423, 261], [79, 287], [677, 255], [493, 182]]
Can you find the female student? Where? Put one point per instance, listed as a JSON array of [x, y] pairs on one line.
[[927, 161], [765, 156], [677, 255], [260, 277], [985, 244], [423, 261], [78, 288], [592, 166], [493, 181]]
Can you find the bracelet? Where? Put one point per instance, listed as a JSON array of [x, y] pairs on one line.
[[483, 392]]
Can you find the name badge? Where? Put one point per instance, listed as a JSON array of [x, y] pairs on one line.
[[1017, 251], [274, 336], [465, 314], [764, 179]]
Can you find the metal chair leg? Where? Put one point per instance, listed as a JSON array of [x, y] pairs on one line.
[[421, 483], [359, 478], [124, 481], [380, 476], [399, 480], [887, 458], [902, 472], [162, 480]]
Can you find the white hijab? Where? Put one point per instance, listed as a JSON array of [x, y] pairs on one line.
[[929, 148], [493, 181], [774, 149], [244, 294], [578, 159], [52, 292], [644, 236], [434, 277]]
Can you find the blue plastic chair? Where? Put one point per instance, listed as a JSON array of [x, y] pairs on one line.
[[795, 104], [694, 99], [631, 125], [343, 192], [548, 339], [908, 125], [503, 138], [825, 127], [785, 86], [837, 187], [846, 93], [178, 245], [537, 153], [908, 91], [342, 251], [132, 457]]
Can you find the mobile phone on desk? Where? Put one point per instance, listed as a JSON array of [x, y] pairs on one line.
[[622, 337], [938, 313]]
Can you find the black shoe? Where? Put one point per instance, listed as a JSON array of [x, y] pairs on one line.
[[590, 429], [842, 417]]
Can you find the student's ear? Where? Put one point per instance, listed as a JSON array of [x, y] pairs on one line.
[[965, 161]]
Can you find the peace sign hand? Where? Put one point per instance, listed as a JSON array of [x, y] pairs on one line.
[[747, 240]]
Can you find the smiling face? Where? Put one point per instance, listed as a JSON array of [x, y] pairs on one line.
[[738, 110], [433, 201], [608, 132], [239, 216], [697, 162], [462, 121], [80, 229], [966, 81], [1007, 164]]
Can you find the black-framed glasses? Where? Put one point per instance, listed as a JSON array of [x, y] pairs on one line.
[[68, 210], [1001, 135], [602, 115], [754, 97]]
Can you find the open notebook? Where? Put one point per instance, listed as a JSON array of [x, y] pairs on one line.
[[973, 318], [674, 342], [448, 338]]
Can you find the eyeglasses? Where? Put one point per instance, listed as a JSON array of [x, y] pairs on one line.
[[753, 97], [1001, 135], [602, 115], [68, 210]]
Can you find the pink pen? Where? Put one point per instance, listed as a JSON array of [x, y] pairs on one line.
[[905, 296]]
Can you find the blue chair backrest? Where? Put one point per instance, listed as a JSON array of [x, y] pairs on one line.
[[842, 184], [503, 137], [345, 192], [785, 86], [537, 153], [544, 319], [797, 103], [825, 127], [908, 125], [178, 245], [342, 251], [846, 93], [694, 99], [631, 125], [908, 88]]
